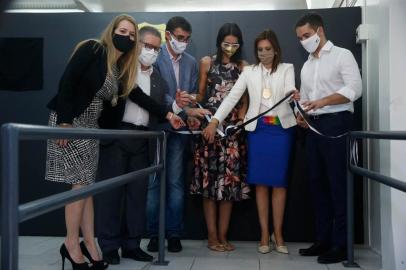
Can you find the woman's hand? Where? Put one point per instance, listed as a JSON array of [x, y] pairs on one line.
[[175, 121], [210, 131], [63, 142], [295, 93]]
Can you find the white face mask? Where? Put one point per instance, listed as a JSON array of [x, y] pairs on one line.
[[312, 43], [177, 46], [147, 57]]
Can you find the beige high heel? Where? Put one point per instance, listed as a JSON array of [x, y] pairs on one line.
[[265, 249], [280, 249]]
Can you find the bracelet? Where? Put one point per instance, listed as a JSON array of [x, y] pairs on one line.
[[215, 121]]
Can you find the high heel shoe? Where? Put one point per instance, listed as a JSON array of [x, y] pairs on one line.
[[75, 266], [265, 248], [96, 265], [280, 249]]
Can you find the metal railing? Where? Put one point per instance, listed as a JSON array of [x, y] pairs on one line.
[[13, 213], [352, 169]]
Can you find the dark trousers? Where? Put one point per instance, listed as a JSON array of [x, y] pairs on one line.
[[120, 212], [326, 161]]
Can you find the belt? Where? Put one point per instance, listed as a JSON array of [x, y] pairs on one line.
[[271, 120], [132, 126], [326, 115]]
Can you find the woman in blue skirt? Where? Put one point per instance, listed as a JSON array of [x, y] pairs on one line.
[[270, 138]]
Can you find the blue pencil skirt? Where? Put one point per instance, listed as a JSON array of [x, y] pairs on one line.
[[269, 150]]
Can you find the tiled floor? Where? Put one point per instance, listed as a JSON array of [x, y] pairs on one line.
[[42, 253]]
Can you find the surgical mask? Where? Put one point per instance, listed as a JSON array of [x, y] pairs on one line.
[[177, 46], [266, 57], [147, 57], [123, 43], [228, 49], [312, 43]]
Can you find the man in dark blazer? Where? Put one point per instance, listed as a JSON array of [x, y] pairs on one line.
[[121, 213], [180, 71]]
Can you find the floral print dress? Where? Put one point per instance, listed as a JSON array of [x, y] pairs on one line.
[[220, 168]]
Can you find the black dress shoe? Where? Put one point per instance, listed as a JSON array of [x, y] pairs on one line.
[[111, 257], [316, 249], [334, 255], [174, 244], [137, 254], [153, 244]]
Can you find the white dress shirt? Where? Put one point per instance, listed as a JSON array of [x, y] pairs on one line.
[[175, 64], [133, 113], [334, 71], [268, 82]]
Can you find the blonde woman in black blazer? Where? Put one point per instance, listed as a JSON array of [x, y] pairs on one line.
[[98, 71]]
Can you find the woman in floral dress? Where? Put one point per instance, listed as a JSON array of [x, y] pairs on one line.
[[220, 168]]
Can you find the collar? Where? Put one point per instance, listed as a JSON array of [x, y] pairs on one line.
[[326, 48], [146, 72], [264, 70], [173, 59]]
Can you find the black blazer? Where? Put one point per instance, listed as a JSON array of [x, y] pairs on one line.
[[83, 77], [111, 116]]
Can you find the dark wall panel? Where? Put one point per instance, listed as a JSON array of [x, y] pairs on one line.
[[62, 31]]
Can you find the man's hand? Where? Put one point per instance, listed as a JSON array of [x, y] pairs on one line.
[[197, 112], [175, 121], [313, 105], [182, 98], [300, 121], [193, 123]]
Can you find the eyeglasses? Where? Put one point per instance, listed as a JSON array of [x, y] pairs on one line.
[[233, 45], [150, 47], [181, 38]]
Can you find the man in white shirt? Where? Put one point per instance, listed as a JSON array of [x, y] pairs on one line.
[[330, 83]]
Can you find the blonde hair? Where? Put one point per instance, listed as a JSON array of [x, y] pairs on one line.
[[128, 62]]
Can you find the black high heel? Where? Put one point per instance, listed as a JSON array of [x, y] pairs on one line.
[[96, 265], [75, 266]]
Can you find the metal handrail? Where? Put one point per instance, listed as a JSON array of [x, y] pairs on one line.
[[13, 213], [354, 169]]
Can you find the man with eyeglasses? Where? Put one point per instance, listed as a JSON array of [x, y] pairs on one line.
[[121, 215], [180, 71]]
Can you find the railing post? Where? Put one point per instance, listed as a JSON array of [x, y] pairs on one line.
[[9, 219], [162, 203], [350, 209]]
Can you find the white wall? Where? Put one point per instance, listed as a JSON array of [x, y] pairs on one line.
[[397, 109], [385, 102]]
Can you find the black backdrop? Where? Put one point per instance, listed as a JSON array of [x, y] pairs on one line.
[[62, 31]]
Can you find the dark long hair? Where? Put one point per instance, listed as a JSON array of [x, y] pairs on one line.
[[229, 29], [273, 39]]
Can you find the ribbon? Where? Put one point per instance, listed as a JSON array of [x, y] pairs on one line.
[[311, 125], [232, 129]]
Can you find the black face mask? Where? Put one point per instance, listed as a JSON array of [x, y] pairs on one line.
[[123, 43]]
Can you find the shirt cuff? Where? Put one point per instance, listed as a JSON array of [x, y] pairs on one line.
[[347, 92], [176, 109]]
